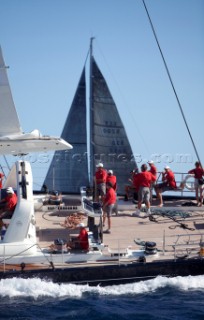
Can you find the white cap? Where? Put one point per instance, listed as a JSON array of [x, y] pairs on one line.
[[150, 162], [167, 167], [99, 165], [110, 171], [10, 190], [81, 225]]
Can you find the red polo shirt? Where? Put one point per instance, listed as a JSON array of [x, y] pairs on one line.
[[101, 176], [83, 239], [145, 178], [170, 179], [153, 170], [11, 202], [198, 172], [135, 181], [110, 197], [112, 179]]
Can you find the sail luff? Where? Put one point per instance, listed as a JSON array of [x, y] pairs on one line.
[[91, 152], [69, 170]]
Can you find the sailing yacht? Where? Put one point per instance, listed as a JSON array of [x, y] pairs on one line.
[[105, 140]]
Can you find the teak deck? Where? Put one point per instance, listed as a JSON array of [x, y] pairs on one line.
[[185, 222]]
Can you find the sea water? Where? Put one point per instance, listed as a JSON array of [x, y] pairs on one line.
[[160, 298]]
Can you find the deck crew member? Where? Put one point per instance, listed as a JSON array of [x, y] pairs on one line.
[[108, 205], [135, 182], [8, 204], [81, 241], [168, 183], [153, 170], [55, 198], [199, 186], [131, 187], [112, 178], [144, 180], [100, 182]]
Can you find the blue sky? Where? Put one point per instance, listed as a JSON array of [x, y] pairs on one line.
[[45, 43]]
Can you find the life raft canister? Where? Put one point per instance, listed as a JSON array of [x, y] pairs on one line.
[[188, 185]]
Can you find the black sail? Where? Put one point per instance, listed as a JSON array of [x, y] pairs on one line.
[[69, 169], [109, 141]]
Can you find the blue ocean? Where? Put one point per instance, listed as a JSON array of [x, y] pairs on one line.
[[161, 298]]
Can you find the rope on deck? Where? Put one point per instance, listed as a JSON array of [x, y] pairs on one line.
[[172, 216]]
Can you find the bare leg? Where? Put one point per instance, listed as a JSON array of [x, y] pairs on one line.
[[126, 192], [159, 196], [104, 218], [147, 203], [109, 223], [197, 197], [201, 197]]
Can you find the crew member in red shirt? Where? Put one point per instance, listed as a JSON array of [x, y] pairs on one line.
[[135, 181], [129, 189], [168, 183], [112, 178], [108, 205], [81, 241], [100, 182], [8, 204], [144, 180], [198, 174], [153, 170], [83, 237]]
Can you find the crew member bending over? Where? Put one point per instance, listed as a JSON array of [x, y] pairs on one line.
[[168, 183]]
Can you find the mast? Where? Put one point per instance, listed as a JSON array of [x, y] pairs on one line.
[[91, 155]]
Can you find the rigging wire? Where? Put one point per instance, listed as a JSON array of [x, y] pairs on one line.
[[171, 81]]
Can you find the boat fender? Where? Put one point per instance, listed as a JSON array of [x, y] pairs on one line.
[[189, 186], [22, 265], [142, 259], [201, 249]]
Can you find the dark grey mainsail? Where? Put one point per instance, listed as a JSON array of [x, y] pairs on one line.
[[69, 170], [109, 141]]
